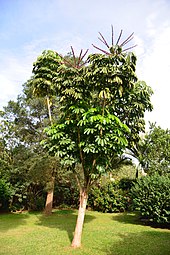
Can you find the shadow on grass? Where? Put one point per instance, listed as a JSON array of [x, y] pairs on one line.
[[141, 243], [134, 218], [64, 220], [12, 220]]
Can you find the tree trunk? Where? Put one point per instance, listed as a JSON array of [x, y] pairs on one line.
[[50, 193], [49, 199], [49, 109], [80, 219]]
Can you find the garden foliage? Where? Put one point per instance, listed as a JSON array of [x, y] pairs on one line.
[[113, 196], [5, 194], [151, 197]]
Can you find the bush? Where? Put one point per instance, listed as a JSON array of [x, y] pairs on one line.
[[37, 202], [111, 197], [66, 196], [151, 197], [126, 183], [5, 194]]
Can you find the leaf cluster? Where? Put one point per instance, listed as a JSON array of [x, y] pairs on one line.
[[151, 198]]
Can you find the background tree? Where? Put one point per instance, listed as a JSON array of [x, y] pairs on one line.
[[155, 151], [44, 70], [103, 106], [24, 163]]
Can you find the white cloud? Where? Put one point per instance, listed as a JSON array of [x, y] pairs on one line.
[[140, 46], [154, 68], [151, 31]]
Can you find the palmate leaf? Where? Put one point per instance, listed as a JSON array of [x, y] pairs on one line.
[[89, 131], [58, 135], [82, 122], [117, 80], [64, 141], [67, 161], [90, 148], [101, 169], [77, 110]]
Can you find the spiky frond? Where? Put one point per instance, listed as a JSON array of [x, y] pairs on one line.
[[75, 62], [116, 48]]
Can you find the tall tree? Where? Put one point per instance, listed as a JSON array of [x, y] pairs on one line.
[[102, 105], [44, 70]]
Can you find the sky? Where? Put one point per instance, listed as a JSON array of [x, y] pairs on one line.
[[28, 27]]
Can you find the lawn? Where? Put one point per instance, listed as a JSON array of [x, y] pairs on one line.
[[110, 234]]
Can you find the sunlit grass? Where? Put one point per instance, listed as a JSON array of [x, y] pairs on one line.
[[117, 234]]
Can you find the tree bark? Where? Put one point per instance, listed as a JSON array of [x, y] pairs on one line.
[[49, 199], [49, 109], [80, 219], [50, 193]]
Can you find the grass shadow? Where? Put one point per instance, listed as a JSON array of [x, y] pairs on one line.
[[64, 220], [141, 243], [134, 218], [12, 220], [137, 237]]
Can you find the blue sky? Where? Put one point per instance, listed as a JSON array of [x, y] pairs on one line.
[[27, 27]]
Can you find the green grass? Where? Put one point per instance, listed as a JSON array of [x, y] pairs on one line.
[[110, 234]]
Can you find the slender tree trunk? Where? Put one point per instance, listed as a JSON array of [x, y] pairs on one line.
[[49, 109], [80, 219], [49, 199], [50, 193]]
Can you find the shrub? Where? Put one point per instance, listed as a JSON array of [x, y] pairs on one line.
[[5, 194], [151, 197], [36, 202], [110, 197], [66, 196], [126, 183]]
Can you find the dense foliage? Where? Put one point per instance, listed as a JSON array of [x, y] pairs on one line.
[[112, 196], [23, 162], [5, 194], [156, 153], [151, 197], [152, 151]]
